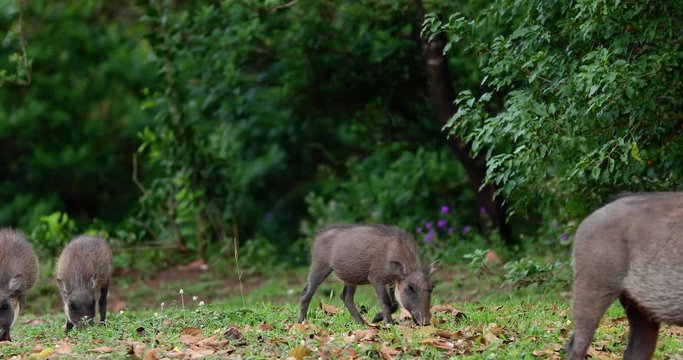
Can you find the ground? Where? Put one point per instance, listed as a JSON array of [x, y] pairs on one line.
[[474, 317]]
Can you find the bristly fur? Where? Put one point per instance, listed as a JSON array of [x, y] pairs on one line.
[[18, 272], [632, 250], [385, 256]]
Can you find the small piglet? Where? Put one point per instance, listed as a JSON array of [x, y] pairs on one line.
[[18, 271], [632, 250], [386, 257], [83, 273]]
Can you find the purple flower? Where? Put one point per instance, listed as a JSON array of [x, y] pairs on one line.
[[441, 223], [419, 230], [482, 210], [268, 216], [429, 225], [466, 229], [450, 230], [429, 238], [563, 238], [444, 209]]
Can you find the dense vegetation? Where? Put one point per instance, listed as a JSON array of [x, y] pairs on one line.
[[201, 127], [227, 132]]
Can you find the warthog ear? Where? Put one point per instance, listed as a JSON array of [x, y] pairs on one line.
[[398, 269], [15, 283], [62, 287]]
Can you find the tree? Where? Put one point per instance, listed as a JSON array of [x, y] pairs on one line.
[[591, 105], [442, 93]]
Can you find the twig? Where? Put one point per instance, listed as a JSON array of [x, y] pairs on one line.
[[283, 6], [239, 273], [136, 181], [22, 43]]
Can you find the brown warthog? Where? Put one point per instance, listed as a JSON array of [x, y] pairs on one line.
[[630, 249], [18, 270], [83, 273], [386, 257]]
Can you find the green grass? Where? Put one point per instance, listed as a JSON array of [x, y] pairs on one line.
[[500, 324]]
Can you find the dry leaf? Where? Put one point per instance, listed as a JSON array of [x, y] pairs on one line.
[[189, 339], [234, 336], [43, 354], [266, 326], [151, 355], [191, 331], [103, 349], [448, 309], [388, 353], [63, 347], [328, 309], [300, 352]]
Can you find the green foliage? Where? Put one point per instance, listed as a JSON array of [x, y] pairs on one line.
[[258, 106], [66, 140], [52, 233], [579, 100], [525, 272]]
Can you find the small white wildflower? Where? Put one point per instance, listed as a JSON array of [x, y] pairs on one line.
[[121, 312], [195, 298], [181, 291], [303, 342], [156, 314], [201, 303], [162, 304]]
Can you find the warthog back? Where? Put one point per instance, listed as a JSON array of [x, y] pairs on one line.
[[632, 250]]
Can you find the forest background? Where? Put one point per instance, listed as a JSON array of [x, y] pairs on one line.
[[185, 130]]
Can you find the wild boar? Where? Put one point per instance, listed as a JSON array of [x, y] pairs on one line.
[[385, 257], [83, 273], [632, 250], [18, 271]]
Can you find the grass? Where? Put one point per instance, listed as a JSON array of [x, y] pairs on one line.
[[499, 324]]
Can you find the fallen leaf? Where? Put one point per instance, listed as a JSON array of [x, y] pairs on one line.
[[189, 339], [302, 327], [234, 336], [63, 347], [43, 354], [103, 349], [450, 310], [328, 309], [266, 326], [300, 352], [191, 331], [388, 353], [151, 355]]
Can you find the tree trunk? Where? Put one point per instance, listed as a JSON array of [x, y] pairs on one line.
[[442, 93]]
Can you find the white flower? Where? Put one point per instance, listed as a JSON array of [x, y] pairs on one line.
[[201, 303], [195, 298], [162, 304], [181, 291], [156, 314], [121, 312]]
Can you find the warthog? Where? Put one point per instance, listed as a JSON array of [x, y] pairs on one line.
[[83, 273], [18, 270], [385, 257], [632, 250]]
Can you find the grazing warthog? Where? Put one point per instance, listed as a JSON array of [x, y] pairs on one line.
[[632, 250], [83, 273], [18, 270], [386, 257]]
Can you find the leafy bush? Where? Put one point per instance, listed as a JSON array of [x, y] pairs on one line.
[[579, 101]]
